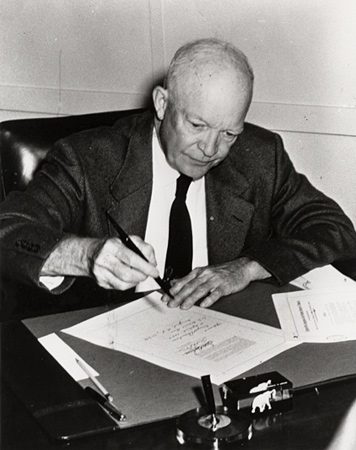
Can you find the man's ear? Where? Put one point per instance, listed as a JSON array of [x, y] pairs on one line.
[[160, 100]]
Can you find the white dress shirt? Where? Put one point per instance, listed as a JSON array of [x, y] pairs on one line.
[[163, 194]]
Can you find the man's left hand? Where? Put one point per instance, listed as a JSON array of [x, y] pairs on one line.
[[213, 282]]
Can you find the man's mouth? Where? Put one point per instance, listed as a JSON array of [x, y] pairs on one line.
[[199, 162]]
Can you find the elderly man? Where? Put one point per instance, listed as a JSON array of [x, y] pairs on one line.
[[251, 215]]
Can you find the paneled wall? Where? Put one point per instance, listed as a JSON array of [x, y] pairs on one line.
[[62, 57]]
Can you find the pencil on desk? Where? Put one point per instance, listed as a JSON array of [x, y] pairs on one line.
[[94, 380], [103, 401]]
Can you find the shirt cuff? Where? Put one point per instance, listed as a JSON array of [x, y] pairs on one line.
[[51, 282]]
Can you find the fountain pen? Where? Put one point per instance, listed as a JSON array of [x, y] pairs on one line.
[[129, 244]]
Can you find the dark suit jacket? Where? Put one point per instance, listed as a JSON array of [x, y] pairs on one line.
[[257, 204]]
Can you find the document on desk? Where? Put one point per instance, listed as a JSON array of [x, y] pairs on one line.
[[65, 356], [195, 342], [317, 315], [326, 277]]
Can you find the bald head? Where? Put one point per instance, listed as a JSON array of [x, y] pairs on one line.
[[197, 62]]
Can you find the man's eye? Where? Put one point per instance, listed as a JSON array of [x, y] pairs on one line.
[[196, 125], [230, 135]]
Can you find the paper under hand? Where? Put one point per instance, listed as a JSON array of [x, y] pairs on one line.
[[195, 341]]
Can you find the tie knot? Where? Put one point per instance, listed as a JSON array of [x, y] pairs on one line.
[[183, 183]]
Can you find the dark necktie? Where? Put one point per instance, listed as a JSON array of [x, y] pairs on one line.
[[180, 242]]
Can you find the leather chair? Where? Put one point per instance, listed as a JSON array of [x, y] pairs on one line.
[[24, 143]]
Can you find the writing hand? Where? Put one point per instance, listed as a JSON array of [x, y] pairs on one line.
[[114, 266], [213, 282]]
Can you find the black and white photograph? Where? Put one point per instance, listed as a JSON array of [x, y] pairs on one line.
[[177, 224]]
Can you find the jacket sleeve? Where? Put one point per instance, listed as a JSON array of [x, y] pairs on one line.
[[32, 223], [308, 229]]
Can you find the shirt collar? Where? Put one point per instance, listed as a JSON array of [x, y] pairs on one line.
[[163, 173]]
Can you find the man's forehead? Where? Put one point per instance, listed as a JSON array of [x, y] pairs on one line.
[[224, 86], [214, 98]]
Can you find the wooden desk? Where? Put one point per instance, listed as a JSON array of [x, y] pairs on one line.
[[312, 420], [309, 426]]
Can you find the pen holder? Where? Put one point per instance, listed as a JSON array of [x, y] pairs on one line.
[[258, 395]]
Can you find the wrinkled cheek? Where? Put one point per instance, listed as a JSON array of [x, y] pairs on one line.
[[223, 152]]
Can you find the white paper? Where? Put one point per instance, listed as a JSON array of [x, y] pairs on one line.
[[318, 315], [195, 342], [326, 277], [65, 356]]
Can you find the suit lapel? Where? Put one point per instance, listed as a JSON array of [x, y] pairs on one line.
[[228, 212], [132, 187]]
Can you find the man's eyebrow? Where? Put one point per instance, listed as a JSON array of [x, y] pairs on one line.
[[238, 131], [193, 116]]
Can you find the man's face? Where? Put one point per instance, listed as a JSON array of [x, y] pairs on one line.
[[198, 128]]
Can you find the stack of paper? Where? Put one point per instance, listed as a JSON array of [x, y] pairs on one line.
[[324, 312]]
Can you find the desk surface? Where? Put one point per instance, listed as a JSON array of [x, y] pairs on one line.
[[310, 425], [142, 386], [164, 394]]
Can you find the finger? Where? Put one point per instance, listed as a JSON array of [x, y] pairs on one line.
[[165, 298], [146, 249], [211, 298], [129, 274], [121, 277], [108, 280], [220, 287], [122, 263], [177, 285], [192, 292], [129, 258], [192, 299]]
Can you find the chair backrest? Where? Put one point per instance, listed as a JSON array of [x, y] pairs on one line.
[[24, 143]]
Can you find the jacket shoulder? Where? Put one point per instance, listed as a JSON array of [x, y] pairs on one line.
[[257, 136], [117, 134], [105, 146], [101, 152], [256, 152]]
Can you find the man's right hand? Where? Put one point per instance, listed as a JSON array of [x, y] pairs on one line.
[[108, 261], [114, 266]]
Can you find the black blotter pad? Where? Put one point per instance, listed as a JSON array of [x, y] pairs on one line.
[[55, 400]]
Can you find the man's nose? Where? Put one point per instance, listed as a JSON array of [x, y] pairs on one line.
[[209, 144]]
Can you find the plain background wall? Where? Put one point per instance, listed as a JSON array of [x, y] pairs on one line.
[[62, 57]]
